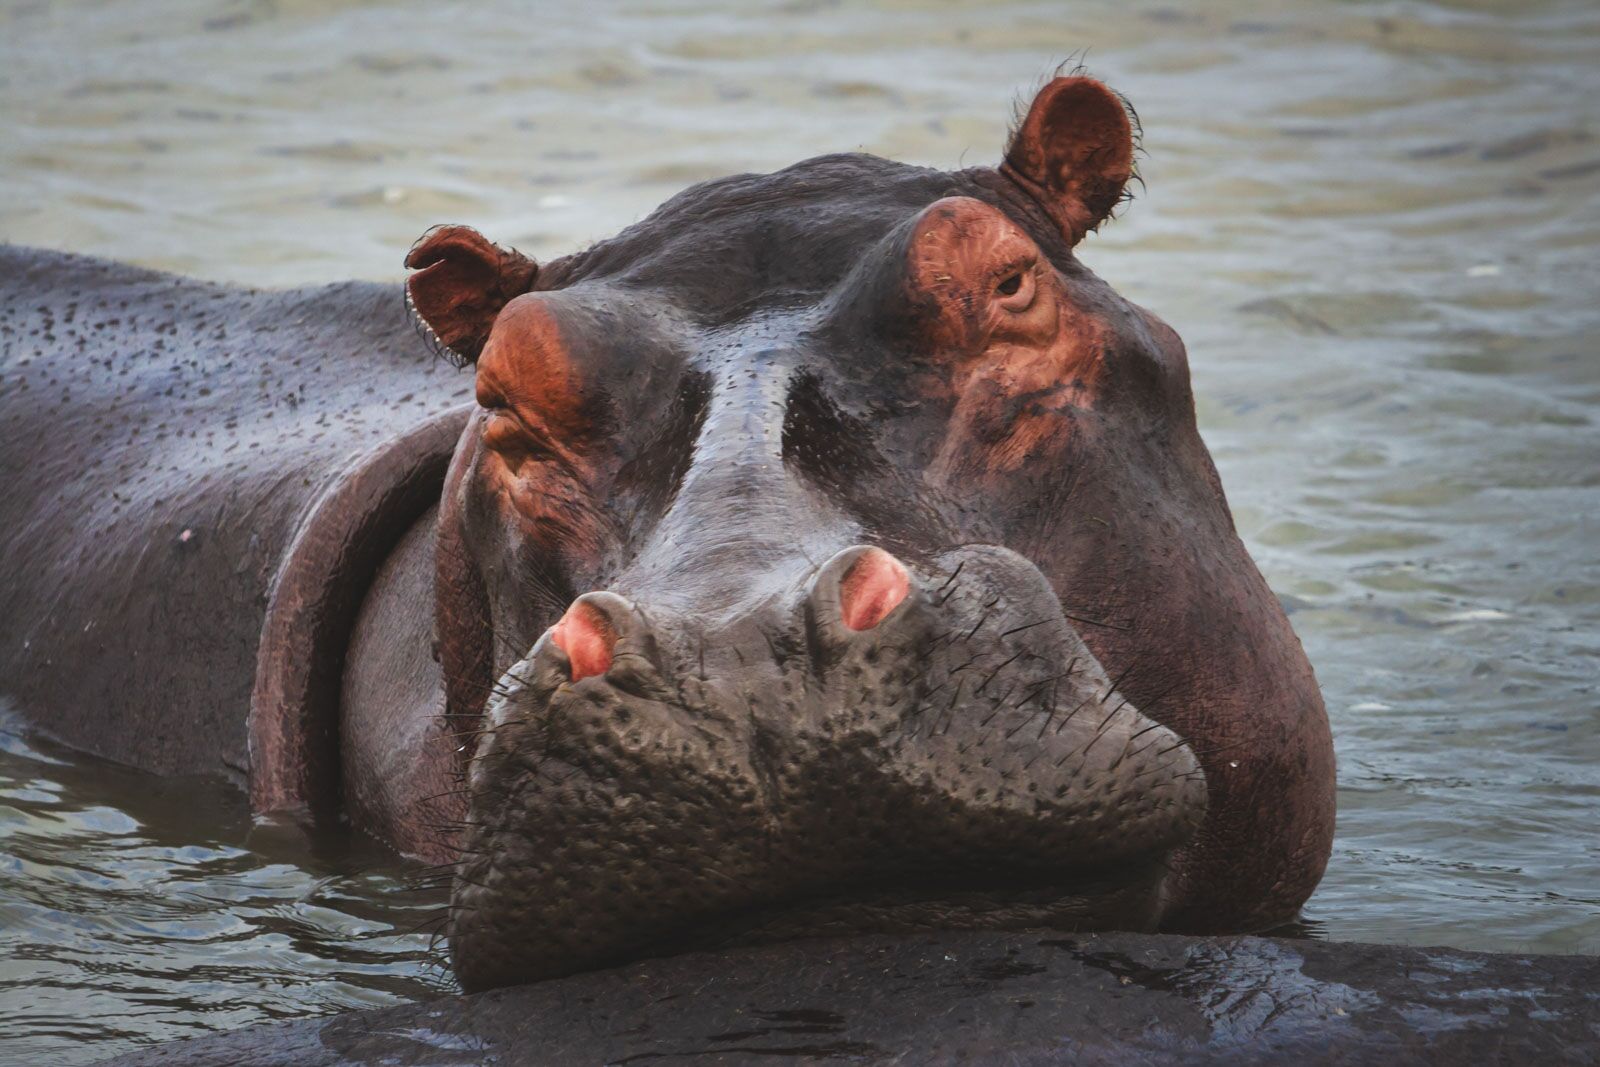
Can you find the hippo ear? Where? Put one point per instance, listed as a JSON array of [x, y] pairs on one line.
[[1073, 153], [462, 281]]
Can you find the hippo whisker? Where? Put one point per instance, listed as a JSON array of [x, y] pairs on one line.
[[421, 885], [429, 339], [1147, 729], [987, 610], [1115, 684], [1003, 665], [1100, 731], [1050, 715], [1069, 716], [1209, 750], [460, 877], [1047, 711], [950, 709], [477, 731], [954, 574], [1023, 628], [440, 916], [994, 711], [1182, 742], [1050, 682], [1134, 755], [1104, 722], [966, 664], [437, 927], [1098, 622]]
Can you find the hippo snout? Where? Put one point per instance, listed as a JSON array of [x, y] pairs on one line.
[[885, 746]]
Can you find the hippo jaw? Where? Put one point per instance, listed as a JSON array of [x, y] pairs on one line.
[[961, 762]]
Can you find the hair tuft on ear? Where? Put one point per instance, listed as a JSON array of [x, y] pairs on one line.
[[461, 282], [1073, 152], [428, 337]]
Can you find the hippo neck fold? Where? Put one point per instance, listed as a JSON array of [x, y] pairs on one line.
[[319, 586]]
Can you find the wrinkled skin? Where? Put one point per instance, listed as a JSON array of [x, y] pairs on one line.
[[833, 551]]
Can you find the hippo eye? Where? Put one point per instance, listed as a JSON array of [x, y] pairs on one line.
[[1015, 290], [501, 431]]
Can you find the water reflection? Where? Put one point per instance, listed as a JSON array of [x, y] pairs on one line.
[[135, 909]]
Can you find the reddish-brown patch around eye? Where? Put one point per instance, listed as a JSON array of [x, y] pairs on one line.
[[981, 275], [1010, 416], [528, 380], [539, 432], [1020, 358]]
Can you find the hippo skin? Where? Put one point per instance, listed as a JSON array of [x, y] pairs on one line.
[[829, 554]]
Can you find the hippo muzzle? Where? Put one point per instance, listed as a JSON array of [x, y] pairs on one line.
[[960, 760]]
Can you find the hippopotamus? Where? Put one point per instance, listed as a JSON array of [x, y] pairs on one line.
[[830, 553]]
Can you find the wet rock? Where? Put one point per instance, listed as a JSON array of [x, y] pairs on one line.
[[981, 997]]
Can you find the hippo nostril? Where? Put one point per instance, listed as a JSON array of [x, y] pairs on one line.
[[874, 586], [588, 638]]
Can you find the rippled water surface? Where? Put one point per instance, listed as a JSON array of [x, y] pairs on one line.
[[1376, 225]]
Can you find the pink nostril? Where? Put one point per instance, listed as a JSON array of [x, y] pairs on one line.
[[587, 637], [874, 585]]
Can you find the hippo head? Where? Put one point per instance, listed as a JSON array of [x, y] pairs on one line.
[[833, 552]]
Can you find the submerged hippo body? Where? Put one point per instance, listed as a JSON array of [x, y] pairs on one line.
[[829, 552]]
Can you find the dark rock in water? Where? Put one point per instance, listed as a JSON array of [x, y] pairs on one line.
[[981, 997]]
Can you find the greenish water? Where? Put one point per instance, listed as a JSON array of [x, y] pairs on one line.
[[1377, 226], [135, 909]]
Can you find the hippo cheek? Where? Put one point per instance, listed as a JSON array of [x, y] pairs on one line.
[[961, 762]]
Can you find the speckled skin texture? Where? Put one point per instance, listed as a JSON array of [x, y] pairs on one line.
[[1089, 712], [163, 443]]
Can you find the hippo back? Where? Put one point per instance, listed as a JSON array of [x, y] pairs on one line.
[[162, 442]]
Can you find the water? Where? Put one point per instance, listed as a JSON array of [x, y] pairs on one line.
[[1376, 225], [134, 910]]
